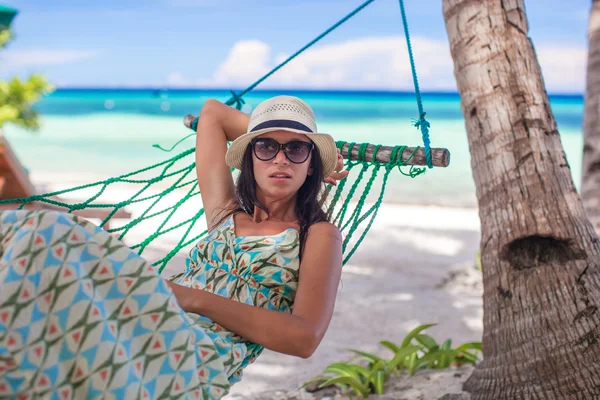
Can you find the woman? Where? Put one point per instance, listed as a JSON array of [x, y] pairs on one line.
[[82, 316]]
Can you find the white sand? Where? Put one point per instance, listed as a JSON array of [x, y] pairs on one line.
[[389, 287], [423, 385]]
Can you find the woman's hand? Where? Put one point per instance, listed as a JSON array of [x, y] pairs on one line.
[[338, 174], [186, 297]]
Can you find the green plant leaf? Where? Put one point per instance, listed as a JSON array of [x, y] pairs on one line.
[[5, 36], [445, 359], [427, 341], [414, 333], [440, 358], [470, 346], [402, 354], [412, 363], [466, 358], [378, 381], [358, 387], [378, 366], [443, 362], [390, 346], [359, 369], [366, 355], [17, 97], [342, 369], [422, 364]]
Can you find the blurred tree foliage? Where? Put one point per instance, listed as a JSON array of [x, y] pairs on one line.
[[17, 96]]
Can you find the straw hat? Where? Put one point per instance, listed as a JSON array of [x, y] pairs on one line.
[[286, 113]]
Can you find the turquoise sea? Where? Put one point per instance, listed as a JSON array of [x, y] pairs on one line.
[[91, 134]]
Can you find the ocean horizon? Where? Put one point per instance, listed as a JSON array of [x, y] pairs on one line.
[[66, 88], [89, 134]]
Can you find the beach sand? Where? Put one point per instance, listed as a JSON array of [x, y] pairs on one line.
[[415, 266]]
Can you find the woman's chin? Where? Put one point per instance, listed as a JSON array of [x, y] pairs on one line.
[[279, 191]]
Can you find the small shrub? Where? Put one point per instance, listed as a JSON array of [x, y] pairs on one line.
[[418, 350]]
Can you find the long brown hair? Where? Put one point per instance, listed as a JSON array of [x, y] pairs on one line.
[[308, 210]]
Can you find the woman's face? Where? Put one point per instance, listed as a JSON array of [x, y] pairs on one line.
[[279, 177]]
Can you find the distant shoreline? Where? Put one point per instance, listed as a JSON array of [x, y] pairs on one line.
[[66, 89], [96, 133]]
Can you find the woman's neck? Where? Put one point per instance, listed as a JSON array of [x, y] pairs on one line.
[[281, 209]]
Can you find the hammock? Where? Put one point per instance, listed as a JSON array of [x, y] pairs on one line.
[[168, 191]]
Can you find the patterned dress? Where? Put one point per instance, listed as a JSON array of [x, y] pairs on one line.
[[82, 316]]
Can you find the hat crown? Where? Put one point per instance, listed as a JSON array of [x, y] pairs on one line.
[[283, 108], [286, 113]]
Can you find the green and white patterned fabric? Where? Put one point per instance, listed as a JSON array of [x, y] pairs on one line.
[[83, 316]]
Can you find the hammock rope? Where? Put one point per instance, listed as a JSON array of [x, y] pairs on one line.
[[421, 123], [167, 192]]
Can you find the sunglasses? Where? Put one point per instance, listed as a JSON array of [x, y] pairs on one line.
[[296, 151]]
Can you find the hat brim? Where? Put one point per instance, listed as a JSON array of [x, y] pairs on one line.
[[323, 141]]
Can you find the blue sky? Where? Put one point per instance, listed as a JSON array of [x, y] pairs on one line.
[[230, 43]]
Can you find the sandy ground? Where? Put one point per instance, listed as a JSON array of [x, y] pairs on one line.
[[423, 385]]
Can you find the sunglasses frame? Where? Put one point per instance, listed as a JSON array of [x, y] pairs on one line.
[[311, 146]]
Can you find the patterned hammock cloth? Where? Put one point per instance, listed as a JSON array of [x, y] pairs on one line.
[[82, 316]]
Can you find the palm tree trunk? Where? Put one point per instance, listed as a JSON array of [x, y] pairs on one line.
[[540, 255], [590, 185]]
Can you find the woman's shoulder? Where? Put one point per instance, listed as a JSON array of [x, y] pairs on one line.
[[223, 216], [323, 245], [324, 228]]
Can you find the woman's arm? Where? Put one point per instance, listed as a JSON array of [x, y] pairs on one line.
[[218, 123], [299, 333]]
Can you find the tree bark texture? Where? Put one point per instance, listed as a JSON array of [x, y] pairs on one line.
[[439, 157], [590, 185], [540, 254]]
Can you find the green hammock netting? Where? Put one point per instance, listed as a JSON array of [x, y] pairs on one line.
[[167, 195]]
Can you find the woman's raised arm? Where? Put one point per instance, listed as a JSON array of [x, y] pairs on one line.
[[218, 123]]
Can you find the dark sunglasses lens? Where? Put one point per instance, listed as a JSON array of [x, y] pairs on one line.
[[265, 149], [297, 151]]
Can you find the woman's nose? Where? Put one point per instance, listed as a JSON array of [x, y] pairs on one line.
[[280, 158]]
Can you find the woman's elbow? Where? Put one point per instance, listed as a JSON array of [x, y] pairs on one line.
[[309, 343], [306, 352], [210, 107]]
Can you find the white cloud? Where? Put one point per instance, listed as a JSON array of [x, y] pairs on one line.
[[365, 63], [371, 63], [246, 61], [564, 68], [15, 59]]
